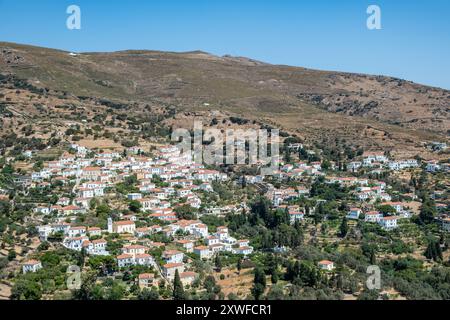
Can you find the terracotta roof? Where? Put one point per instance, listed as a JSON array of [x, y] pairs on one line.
[[99, 241], [92, 169], [134, 246], [71, 208], [78, 228], [123, 223], [124, 256], [171, 252], [188, 274], [183, 241], [172, 265]]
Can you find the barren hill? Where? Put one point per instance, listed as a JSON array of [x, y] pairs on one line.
[[379, 111]]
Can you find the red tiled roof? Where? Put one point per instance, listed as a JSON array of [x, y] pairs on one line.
[[172, 265], [124, 256]]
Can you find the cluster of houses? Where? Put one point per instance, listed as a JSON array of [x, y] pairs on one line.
[[433, 166], [437, 146], [187, 233], [365, 190], [283, 195], [387, 222], [446, 224], [298, 170], [368, 192], [31, 266], [378, 160], [93, 175]]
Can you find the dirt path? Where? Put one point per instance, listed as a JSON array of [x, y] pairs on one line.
[[5, 291]]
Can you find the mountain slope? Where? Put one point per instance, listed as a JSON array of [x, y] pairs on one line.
[[308, 102]]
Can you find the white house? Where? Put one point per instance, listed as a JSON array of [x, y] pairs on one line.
[[188, 245], [75, 243], [94, 231], [144, 260], [371, 157], [354, 213], [134, 196], [125, 260], [169, 269], [173, 256], [31, 266], [77, 232], [446, 224], [296, 216], [145, 280], [203, 252], [326, 265], [121, 226], [188, 277], [398, 206], [389, 223], [98, 247], [245, 250], [373, 216], [433, 166], [211, 240], [134, 250], [42, 210], [215, 248]]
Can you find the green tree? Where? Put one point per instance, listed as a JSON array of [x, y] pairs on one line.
[[386, 209], [147, 294], [135, 206], [178, 291], [427, 210], [369, 295], [26, 290], [259, 283], [186, 212], [12, 255], [239, 265], [276, 293], [218, 263], [103, 211], [343, 229], [433, 251]]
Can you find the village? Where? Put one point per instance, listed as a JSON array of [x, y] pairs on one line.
[[158, 192]]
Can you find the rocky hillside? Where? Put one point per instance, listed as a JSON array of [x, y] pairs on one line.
[[379, 111]]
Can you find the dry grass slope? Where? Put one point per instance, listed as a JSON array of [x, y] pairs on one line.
[[374, 111]]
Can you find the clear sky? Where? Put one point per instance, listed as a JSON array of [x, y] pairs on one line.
[[414, 42]]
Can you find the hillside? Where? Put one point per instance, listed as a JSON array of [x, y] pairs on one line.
[[374, 111]]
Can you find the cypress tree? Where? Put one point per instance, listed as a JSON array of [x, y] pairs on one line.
[[178, 291], [218, 263], [239, 265], [438, 251], [343, 229], [373, 258], [259, 284]]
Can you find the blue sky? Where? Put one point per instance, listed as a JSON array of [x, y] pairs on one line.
[[322, 34]]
